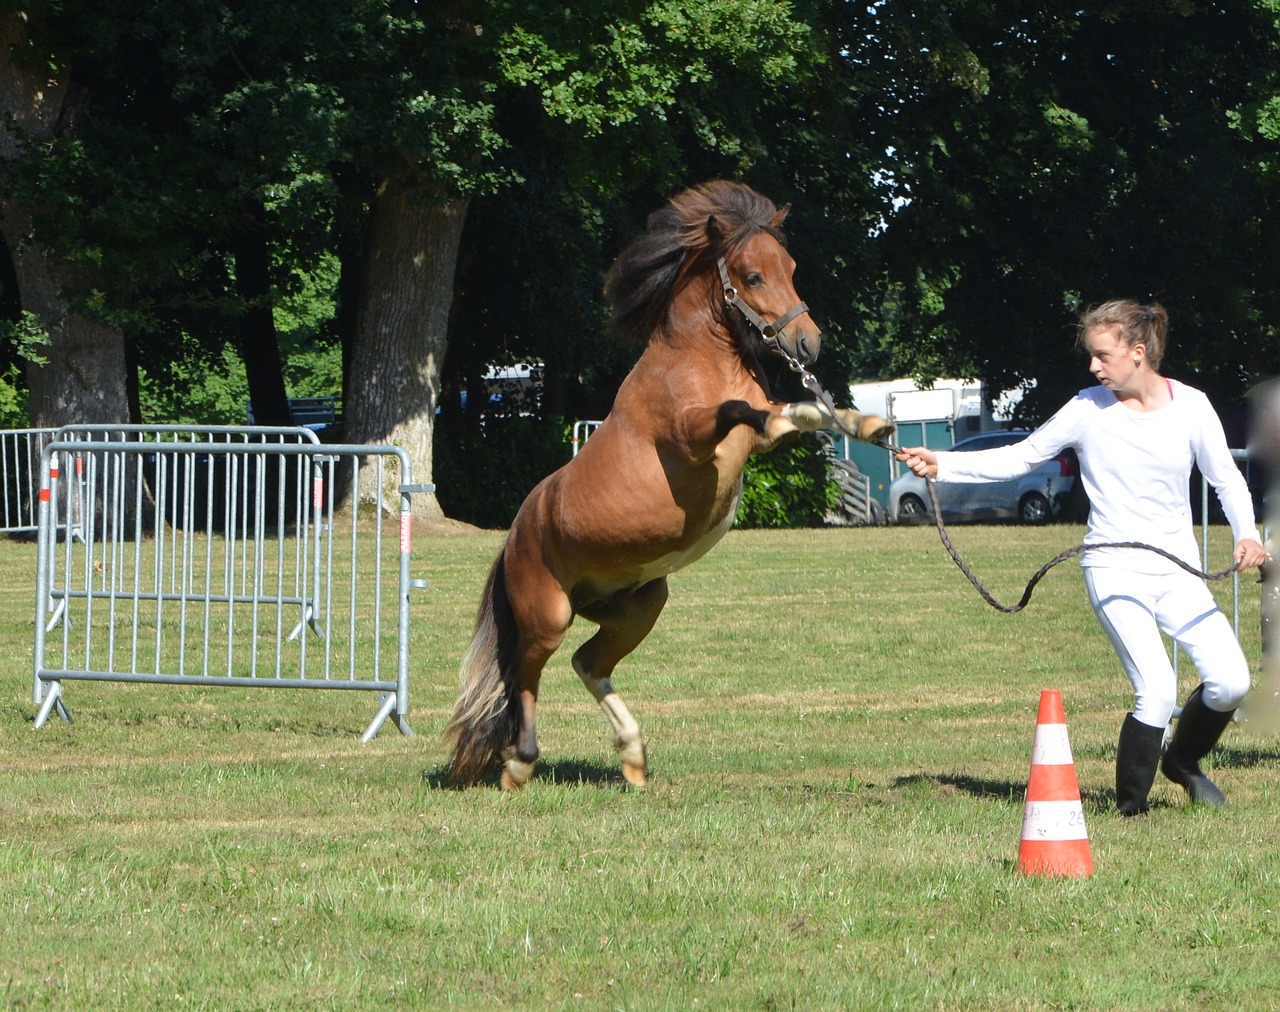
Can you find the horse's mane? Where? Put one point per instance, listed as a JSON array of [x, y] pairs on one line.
[[642, 281]]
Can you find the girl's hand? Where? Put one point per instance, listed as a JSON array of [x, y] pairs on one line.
[[1249, 554], [920, 460]]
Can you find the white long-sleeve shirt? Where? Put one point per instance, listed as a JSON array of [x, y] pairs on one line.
[[1136, 469]]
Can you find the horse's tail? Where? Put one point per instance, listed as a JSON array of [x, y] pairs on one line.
[[486, 717]]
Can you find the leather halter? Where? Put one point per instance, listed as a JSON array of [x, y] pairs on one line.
[[768, 331]]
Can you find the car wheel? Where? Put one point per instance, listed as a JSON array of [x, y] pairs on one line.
[[911, 509], [1034, 509]]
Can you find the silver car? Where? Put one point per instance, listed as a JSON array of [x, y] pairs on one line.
[[1035, 498]]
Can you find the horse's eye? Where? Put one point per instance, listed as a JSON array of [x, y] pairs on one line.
[[754, 280]]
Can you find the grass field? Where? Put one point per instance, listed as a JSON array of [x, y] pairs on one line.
[[839, 736]]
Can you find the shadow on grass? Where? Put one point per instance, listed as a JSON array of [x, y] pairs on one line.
[[1097, 801], [1001, 790], [569, 771], [1242, 758]]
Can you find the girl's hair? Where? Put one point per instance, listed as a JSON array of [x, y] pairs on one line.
[[1139, 324]]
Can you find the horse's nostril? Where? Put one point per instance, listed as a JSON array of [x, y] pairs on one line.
[[807, 351]]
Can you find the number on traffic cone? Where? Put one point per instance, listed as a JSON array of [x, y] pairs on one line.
[[1054, 838]]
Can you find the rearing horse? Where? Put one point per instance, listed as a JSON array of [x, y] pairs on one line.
[[706, 289]]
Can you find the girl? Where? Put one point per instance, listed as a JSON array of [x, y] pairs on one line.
[[1137, 435]]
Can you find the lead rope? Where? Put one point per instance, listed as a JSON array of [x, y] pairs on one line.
[[1070, 553], [811, 383]]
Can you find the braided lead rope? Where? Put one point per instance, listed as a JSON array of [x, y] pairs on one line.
[[811, 383], [1060, 557]]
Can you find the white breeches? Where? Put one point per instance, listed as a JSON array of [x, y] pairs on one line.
[[1134, 608]]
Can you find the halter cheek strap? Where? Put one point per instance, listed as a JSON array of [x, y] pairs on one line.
[[769, 331]]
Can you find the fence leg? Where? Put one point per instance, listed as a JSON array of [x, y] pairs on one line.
[[52, 698], [57, 611], [308, 619], [403, 725], [388, 704], [386, 710]]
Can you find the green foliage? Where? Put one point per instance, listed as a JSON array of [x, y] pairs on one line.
[[25, 336], [963, 178], [1093, 156], [200, 386], [22, 339], [1257, 118], [199, 390], [290, 113], [13, 399], [789, 486], [214, 391]]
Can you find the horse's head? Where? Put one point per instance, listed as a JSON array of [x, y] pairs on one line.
[[718, 225], [756, 279]]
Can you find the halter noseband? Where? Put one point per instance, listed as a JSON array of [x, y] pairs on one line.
[[768, 331]]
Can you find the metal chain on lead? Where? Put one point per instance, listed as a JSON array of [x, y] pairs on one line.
[[811, 383]]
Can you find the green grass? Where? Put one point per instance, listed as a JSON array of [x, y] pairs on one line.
[[839, 736]]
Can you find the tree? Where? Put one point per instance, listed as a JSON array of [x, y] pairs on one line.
[[401, 324], [79, 376], [1050, 157]]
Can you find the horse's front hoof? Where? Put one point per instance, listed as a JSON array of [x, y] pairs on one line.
[[873, 428], [634, 758]]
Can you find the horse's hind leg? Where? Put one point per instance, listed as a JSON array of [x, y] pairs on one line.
[[543, 616], [625, 620], [518, 759], [535, 650]]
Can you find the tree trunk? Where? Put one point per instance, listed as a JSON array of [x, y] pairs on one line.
[[259, 342], [84, 377], [402, 325]]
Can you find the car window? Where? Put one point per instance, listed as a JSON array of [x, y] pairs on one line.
[[989, 440]]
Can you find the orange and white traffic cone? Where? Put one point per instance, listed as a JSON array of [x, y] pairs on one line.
[[1054, 838]]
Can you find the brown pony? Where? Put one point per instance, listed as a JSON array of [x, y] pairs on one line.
[[657, 484]]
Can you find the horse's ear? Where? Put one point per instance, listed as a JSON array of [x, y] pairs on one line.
[[715, 235], [781, 216]]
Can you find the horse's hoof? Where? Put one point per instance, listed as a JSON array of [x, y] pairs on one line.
[[515, 774], [873, 428], [633, 774]]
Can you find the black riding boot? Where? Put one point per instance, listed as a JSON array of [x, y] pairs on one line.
[[1198, 730], [1136, 760]]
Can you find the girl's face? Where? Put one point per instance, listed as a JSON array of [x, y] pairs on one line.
[[1113, 363]]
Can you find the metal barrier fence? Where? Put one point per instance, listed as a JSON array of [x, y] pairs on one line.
[[227, 563], [582, 430], [1206, 563], [20, 451], [19, 472], [67, 470], [857, 507]]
